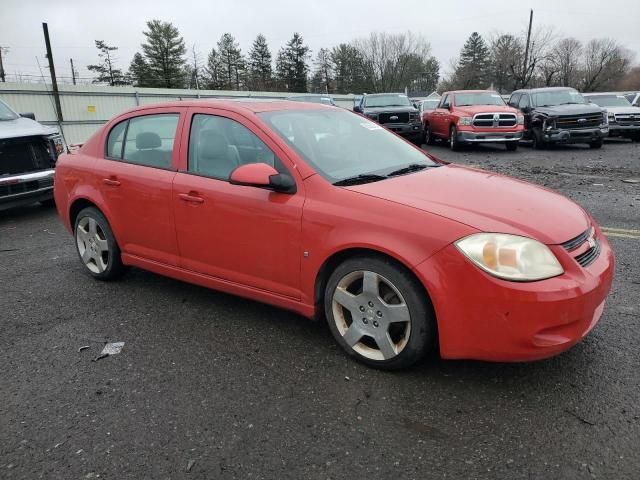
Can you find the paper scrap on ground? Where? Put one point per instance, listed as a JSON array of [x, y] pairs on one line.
[[112, 348]]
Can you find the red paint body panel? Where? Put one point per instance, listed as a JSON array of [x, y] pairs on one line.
[[272, 246]]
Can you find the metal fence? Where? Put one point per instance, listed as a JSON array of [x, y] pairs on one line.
[[86, 107]]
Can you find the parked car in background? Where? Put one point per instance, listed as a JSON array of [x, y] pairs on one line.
[[324, 212], [395, 112], [428, 105], [28, 154], [623, 118], [560, 115], [634, 98], [325, 100], [473, 116], [356, 101]]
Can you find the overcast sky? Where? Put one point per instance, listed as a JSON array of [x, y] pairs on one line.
[[75, 24]]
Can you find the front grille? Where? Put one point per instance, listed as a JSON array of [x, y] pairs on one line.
[[402, 117], [25, 154], [628, 120], [587, 258], [494, 120], [579, 121]]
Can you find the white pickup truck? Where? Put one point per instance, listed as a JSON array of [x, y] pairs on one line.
[[28, 154]]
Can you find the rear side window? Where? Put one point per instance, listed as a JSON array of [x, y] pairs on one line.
[[146, 140]]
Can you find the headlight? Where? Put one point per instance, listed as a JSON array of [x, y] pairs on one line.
[[510, 257], [549, 124], [610, 117], [372, 116], [465, 121], [520, 119]]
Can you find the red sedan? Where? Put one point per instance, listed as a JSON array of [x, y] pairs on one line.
[[323, 212]]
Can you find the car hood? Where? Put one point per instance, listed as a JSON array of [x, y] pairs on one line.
[[473, 109], [389, 109], [573, 109], [23, 127], [486, 201], [624, 110]]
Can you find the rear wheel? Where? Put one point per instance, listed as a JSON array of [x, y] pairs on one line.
[[511, 146], [596, 144], [454, 144], [96, 245], [379, 313], [428, 136]]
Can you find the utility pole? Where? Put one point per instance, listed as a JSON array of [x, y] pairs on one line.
[[1, 67], [52, 71], [73, 71], [526, 50]]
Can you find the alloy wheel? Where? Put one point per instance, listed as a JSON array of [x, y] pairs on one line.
[[93, 246], [371, 315]]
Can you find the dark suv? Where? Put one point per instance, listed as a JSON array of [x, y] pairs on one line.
[[395, 112], [560, 115]]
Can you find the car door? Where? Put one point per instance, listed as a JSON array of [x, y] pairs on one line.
[[441, 116], [524, 105], [135, 178], [245, 235]]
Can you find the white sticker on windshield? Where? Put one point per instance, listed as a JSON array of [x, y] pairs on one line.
[[495, 95], [371, 126]]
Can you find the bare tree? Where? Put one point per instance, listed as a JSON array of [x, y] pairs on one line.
[[506, 52], [567, 54], [631, 81], [539, 51], [605, 62]]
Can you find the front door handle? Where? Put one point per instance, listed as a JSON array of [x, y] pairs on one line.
[[191, 197], [112, 181]]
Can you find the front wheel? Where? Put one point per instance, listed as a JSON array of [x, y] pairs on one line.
[[96, 245], [454, 144], [379, 313], [511, 146], [428, 136], [538, 140]]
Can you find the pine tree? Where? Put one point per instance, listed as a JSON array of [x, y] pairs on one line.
[[164, 54], [322, 81], [106, 70], [139, 71], [213, 70], [232, 63], [348, 69], [291, 66], [475, 63], [260, 72]]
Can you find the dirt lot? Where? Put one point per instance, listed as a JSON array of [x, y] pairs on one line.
[[212, 386]]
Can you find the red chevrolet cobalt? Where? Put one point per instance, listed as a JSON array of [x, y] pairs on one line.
[[326, 213]]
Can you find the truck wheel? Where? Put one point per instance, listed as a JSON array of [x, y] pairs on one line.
[[511, 146], [453, 138], [597, 144], [538, 142], [428, 136]]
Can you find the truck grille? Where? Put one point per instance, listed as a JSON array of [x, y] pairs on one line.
[[628, 120], [494, 120], [579, 121], [587, 257], [25, 154], [402, 117]]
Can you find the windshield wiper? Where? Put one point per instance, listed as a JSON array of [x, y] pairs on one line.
[[358, 179], [414, 167]]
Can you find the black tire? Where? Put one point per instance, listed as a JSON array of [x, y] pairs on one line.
[[454, 144], [511, 146], [49, 202], [422, 331], [429, 139], [597, 144], [111, 256], [538, 142]]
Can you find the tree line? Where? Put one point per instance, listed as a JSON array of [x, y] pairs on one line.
[[380, 62]]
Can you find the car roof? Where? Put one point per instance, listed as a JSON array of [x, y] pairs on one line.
[[542, 89], [603, 94], [240, 105], [470, 91]]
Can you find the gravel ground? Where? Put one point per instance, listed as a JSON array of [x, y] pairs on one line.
[[213, 386]]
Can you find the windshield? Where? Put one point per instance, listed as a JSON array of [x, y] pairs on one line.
[[387, 101], [478, 98], [340, 144], [6, 113], [609, 101], [557, 97]]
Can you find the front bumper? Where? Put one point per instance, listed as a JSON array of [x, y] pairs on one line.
[[624, 130], [485, 318], [582, 135], [26, 188], [410, 130], [490, 137]]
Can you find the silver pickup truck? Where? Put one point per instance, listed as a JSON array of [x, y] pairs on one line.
[[28, 154]]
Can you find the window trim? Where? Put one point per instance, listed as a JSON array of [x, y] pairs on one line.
[[124, 141]]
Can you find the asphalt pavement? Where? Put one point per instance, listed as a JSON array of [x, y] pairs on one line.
[[208, 385]]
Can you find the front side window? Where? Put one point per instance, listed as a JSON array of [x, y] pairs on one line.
[[115, 141], [445, 102], [218, 145], [6, 113], [524, 102], [340, 144]]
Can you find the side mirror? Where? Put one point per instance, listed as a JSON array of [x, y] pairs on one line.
[[30, 115], [357, 109], [261, 175]]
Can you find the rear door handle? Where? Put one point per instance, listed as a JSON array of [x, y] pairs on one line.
[[111, 181], [191, 197]]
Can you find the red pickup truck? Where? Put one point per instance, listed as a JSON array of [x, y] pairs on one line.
[[473, 116]]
